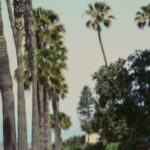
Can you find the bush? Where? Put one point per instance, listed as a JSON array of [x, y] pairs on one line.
[[98, 146], [130, 144], [73, 143]]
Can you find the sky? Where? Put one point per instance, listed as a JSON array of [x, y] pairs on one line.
[[84, 54]]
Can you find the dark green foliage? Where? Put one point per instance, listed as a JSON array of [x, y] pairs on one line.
[[98, 146], [112, 88], [138, 112], [130, 144], [123, 108]]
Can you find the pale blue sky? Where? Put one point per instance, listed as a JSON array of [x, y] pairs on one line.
[[84, 55]]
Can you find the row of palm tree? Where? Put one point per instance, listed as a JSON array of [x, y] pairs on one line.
[[43, 47]]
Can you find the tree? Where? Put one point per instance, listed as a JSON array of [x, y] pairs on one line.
[[12, 21], [113, 88], [138, 66], [99, 14], [51, 53], [122, 111], [47, 30], [85, 109], [6, 88], [22, 127], [64, 122], [143, 17], [31, 51], [58, 91]]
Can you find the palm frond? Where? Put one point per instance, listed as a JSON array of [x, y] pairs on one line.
[[111, 17], [88, 23], [91, 7], [107, 23], [98, 14]]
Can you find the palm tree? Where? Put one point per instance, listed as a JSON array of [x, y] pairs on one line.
[[6, 88], [143, 16], [52, 55], [99, 14], [58, 90], [11, 18], [22, 127], [43, 20], [30, 49]]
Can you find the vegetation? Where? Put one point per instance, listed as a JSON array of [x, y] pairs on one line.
[[74, 143], [85, 109], [22, 124], [143, 16], [99, 14], [6, 88]]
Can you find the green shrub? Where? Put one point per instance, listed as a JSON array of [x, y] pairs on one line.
[[112, 146]]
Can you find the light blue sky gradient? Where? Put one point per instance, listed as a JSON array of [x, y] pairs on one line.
[[84, 55]]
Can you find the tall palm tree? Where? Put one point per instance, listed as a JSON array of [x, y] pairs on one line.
[[51, 56], [99, 14], [58, 91], [11, 18], [31, 51], [143, 16], [42, 20], [58, 88], [22, 127], [6, 88]]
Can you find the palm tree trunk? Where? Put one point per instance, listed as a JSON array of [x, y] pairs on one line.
[[50, 133], [41, 116], [11, 18], [35, 118], [55, 103], [6, 87], [22, 125], [47, 144], [102, 48], [30, 48]]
